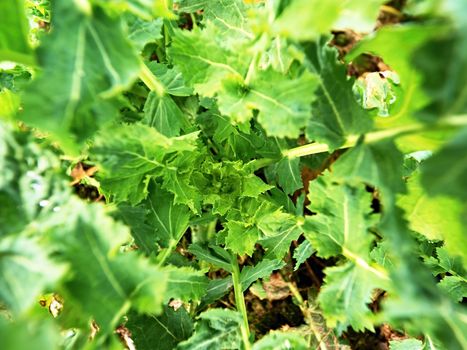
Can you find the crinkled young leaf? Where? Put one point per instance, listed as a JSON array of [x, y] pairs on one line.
[[129, 156], [89, 59], [335, 111], [279, 230], [164, 331], [455, 286], [215, 329], [241, 237]]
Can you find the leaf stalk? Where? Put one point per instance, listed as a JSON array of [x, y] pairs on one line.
[[150, 80], [240, 302], [314, 148]]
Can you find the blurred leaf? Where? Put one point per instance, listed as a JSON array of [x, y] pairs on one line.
[[26, 270], [90, 60], [406, 344], [281, 341], [14, 45]]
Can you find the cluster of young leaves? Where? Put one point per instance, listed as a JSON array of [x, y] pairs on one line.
[[194, 112]]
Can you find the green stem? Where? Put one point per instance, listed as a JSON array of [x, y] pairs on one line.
[[150, 80], [162, 257], [375, 136], [240, 302], [314, 148]]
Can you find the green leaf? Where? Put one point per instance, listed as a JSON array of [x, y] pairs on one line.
[[185, 283], [378, 164], [437, 218], [130, 156], [445, 172], [308, 19], [9, 104], [142, 232], [341, 224], [283, 102], [263, 269], [145, 9], [335, 111], [31, 186], [216, 329], [229, 16], [345, 295], [29, 334], [89, 59], [171, 79], [204, 61], [217, 289], [455, 286], [302, 253], [383, 43], [88, 241], [169, 221], [281, 341], [288, 175], [165, 330], [213, 255], [14, 31], [241, 237], [406, 344], [279, 230], [26, 270]]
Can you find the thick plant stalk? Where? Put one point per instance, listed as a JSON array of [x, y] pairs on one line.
[[150, 80], [240, 302], [371, 137], [375, 136]]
